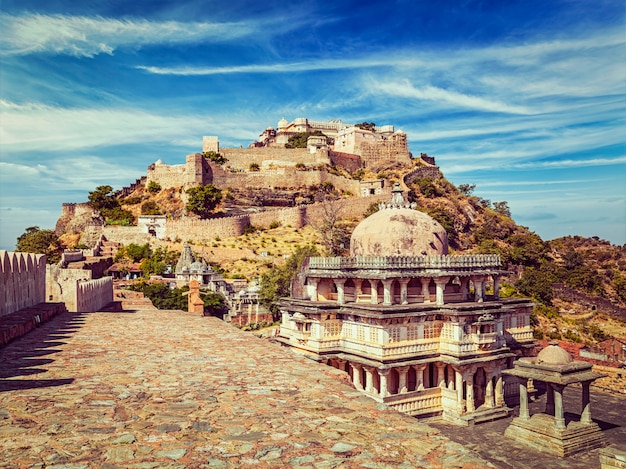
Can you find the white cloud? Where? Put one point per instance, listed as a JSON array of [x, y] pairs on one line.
[[83, 36]]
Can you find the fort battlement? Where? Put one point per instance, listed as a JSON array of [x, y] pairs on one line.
[[22, 280]]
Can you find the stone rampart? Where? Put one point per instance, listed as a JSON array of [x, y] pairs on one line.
[[206, 230], [61, 284], [430, 172], [127, 190], [92, 295], [378, 152], [75, 217], [167, 175], [22, 280], [126, 234], [345, 160], [242, 158]]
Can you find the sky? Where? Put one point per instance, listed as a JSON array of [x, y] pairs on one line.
[[525, 99]]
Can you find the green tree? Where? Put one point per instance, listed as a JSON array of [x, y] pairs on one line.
[[254, 167], [276, 283], [40, 242], [203, 200], [162, 296], [299, 140], [467, 189], [502, 208], [150, 208], [215, 157], [153, 187], [103, 200], [536, 283], [214, 304], [366, 126]]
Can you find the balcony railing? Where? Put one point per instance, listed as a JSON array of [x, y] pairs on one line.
[[483, 261]]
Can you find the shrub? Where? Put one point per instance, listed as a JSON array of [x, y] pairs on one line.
[[274, 224], [153, 187], [254, 167]]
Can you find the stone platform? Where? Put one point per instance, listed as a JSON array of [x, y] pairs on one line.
[[164, 389]]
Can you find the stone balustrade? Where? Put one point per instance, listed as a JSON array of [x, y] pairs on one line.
[[475, 261], [415, 402]]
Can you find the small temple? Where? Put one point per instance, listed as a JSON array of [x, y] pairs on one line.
[[549, 431], [421, 331]]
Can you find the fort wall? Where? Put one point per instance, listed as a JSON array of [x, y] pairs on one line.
[[22, 280], [430, 172], [92, 295], [242, 158], [75, 217], [127, 190]]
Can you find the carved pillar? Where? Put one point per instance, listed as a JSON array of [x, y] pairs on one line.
[[478, 289], [549, 399], [382, 374], [459, 390], [499, 391], [559, 414], [402, 385], [374, 288], [426, 375], [440, 284], [465, 287], [489, 397], [523, 400], [341, 297], [356, 376], [314, 282], [585, 415], [496, 287], [387, 291], [425, 292], [441, 377], [469, 391], [369, 379], [419, 376], [404, 295], [358, 288]]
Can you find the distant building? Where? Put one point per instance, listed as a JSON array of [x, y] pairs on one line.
[[412, 326]]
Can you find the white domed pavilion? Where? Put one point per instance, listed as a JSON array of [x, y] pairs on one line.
[[413, 326]]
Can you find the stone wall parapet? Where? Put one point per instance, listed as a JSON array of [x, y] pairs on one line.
[[92, 295], [22, 280]]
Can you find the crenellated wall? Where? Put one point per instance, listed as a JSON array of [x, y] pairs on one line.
[[92, 295], [22, 280], [242, 158]]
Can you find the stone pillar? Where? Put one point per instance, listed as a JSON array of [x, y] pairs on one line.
[[478, 289], [549, 399], [440, 284], [469, 391], [427, 383], [358, 288], [459, 390], [341, 297], [585, 415], [523, 400], [559, 413], [356, 376], [419, 376], [341, 364], [374, 288], [402, 385], [499, 391], [314, 282], [496, 287], [369, 379], [404, 291], [425, 292], [465, 287], [489, 397], [387, 300], [441, 377], [382, 374]]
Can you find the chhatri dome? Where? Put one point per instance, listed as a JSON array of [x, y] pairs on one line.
[[397, 229], [554, 355]]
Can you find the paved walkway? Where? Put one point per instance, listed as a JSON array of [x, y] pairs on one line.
[[156, 389]]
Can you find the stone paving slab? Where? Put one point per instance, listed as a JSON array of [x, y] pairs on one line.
[[157, 389]]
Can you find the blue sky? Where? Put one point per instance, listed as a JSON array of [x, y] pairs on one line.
[[525, 99]]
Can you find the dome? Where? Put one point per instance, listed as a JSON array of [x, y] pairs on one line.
[[397, 229], [282, 123], [554, 355]]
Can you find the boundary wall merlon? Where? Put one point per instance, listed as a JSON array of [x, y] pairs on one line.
[[22, 280], [93, 295]]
